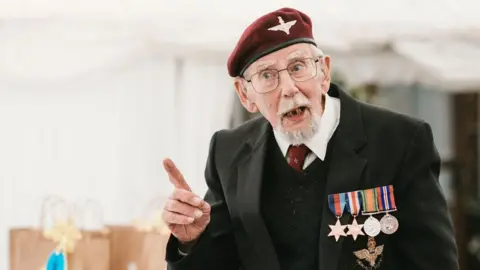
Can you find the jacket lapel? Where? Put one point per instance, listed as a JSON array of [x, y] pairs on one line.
[[250, 174], [345, 173]]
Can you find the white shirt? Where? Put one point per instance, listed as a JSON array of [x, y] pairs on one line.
[[319, 142]]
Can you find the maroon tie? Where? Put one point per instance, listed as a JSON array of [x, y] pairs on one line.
[[296, 156]]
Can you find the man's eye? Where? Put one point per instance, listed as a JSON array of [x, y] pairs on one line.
[[267, 74]]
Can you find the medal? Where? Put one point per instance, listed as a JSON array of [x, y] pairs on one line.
[[386, 203], [336, 203], [354, 205], [371, 226], [389, 224]]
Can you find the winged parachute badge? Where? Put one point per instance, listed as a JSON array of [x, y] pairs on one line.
[[370, 254], [283, 26]]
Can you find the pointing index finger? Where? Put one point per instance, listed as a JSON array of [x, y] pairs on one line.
[[175, 176]]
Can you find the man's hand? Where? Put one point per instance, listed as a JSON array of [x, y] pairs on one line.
[[185, 213]]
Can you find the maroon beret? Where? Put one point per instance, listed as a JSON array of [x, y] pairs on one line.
[[269, 33]]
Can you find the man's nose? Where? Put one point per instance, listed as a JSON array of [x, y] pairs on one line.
[[287, 85]]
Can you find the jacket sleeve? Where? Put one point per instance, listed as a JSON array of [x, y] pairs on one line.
[[425, 238], [215, 249]]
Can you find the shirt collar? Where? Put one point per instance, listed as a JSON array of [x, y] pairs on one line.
[[328, 124]]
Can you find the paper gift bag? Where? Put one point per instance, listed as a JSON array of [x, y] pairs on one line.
[[142, 245], [92, 252], [132, 249], [126, 246], [152, 256], [29, 248]]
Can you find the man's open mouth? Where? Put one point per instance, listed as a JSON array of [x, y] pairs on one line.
[[296, 112]]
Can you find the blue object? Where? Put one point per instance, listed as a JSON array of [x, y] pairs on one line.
[[56, 261]]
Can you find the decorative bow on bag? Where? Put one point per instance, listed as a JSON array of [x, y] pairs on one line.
[[82, 239], [63, 232], [66, 234]]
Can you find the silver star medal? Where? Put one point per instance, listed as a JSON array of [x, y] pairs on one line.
[[336, 203], [337, 230], [354, 206], [283, 26], [355, 229]]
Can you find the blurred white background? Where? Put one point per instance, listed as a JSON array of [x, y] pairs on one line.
[[94, 94]]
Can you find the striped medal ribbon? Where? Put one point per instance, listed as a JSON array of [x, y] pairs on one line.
[[371, 226], [386, 204], [354, 206], [336, 203]]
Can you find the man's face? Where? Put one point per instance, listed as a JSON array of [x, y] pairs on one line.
[[295, 106]]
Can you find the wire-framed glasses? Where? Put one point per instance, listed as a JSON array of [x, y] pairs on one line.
[[267, 80]]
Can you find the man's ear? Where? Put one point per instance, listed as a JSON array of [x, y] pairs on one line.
[[325, 67], [242, 93]]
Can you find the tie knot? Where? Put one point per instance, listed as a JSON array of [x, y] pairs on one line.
[[296, 156]]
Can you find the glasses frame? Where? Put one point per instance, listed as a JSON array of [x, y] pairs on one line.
[[315, 59]]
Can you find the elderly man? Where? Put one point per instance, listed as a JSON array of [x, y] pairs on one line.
[[321, 181]]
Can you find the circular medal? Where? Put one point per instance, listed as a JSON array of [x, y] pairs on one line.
[[372, 226], [389, 224]]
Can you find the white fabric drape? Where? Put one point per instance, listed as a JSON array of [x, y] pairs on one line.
[[101, 131], [203, 97], [100, 138]]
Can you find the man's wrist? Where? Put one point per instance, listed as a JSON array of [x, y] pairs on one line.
[[184, 248]]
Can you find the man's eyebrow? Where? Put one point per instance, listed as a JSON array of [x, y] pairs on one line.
[[296, 54], [265, 64], [268, 63]]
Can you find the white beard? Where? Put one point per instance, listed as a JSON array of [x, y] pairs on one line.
[[301, 136]]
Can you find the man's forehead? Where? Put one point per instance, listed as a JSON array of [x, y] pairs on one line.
[[291, 55]]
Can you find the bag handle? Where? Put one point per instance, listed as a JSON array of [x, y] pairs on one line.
[[57, 232], [151, 219], [45, 210], [94, 207]]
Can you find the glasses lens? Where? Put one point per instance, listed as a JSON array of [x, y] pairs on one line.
[[265, 81], [302, 70]]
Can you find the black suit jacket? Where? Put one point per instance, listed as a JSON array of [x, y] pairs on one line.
[[374, 147]]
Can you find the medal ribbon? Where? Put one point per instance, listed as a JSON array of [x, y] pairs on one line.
[[369, 198], [354, 202], [336, 203], [386, 199]]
